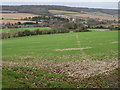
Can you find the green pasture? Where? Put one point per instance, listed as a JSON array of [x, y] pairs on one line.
[[104, 46], [30, 28]]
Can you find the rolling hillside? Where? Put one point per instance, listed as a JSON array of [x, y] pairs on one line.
[[44, 9]]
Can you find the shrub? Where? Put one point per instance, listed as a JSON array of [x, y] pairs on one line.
[[81, 29]]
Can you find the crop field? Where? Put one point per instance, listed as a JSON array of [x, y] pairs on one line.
[[91, 15], [5, 11], [14, 21], [57, 59], [61, 12], [16, 15], [30, 28]]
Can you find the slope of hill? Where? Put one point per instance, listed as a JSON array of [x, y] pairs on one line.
[[44, 9]]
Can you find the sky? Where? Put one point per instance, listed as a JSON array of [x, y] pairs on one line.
[[59, 0]]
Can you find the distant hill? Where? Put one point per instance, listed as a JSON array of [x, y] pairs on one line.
[[44, 9]]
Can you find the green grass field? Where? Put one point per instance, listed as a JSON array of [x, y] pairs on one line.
[[43, 47], [23, 55], [19, 29]]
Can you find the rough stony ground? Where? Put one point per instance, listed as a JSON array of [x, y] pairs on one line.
[[75, 69]]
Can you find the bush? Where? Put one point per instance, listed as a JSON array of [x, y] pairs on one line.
[[28, 23], [112, 27], [6, 35], [81, 29]]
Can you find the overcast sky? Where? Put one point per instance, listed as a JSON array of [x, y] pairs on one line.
[[59, 0]]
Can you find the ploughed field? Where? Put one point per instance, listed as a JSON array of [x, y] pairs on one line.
[[61, 60], [17, 15], [14, 17], [93, 15]]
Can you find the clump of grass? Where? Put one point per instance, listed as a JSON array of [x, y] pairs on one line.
[[59, 85]]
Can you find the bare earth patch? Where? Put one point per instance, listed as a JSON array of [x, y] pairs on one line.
[[116, 42], [72, 49], [75, 69]]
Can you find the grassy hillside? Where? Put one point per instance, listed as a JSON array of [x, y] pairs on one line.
[[44, 47], [43, 9], [72, 60]]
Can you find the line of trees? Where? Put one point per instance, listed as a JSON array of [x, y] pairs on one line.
[[12, 34], [45, 18], [111, 27], [72, 26]]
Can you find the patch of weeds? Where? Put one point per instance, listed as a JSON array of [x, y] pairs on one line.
[[59, 85], [11, 79], [53, 75], [22, 69], [113, 78], [101, 81], [96, 81], [27, 77]]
